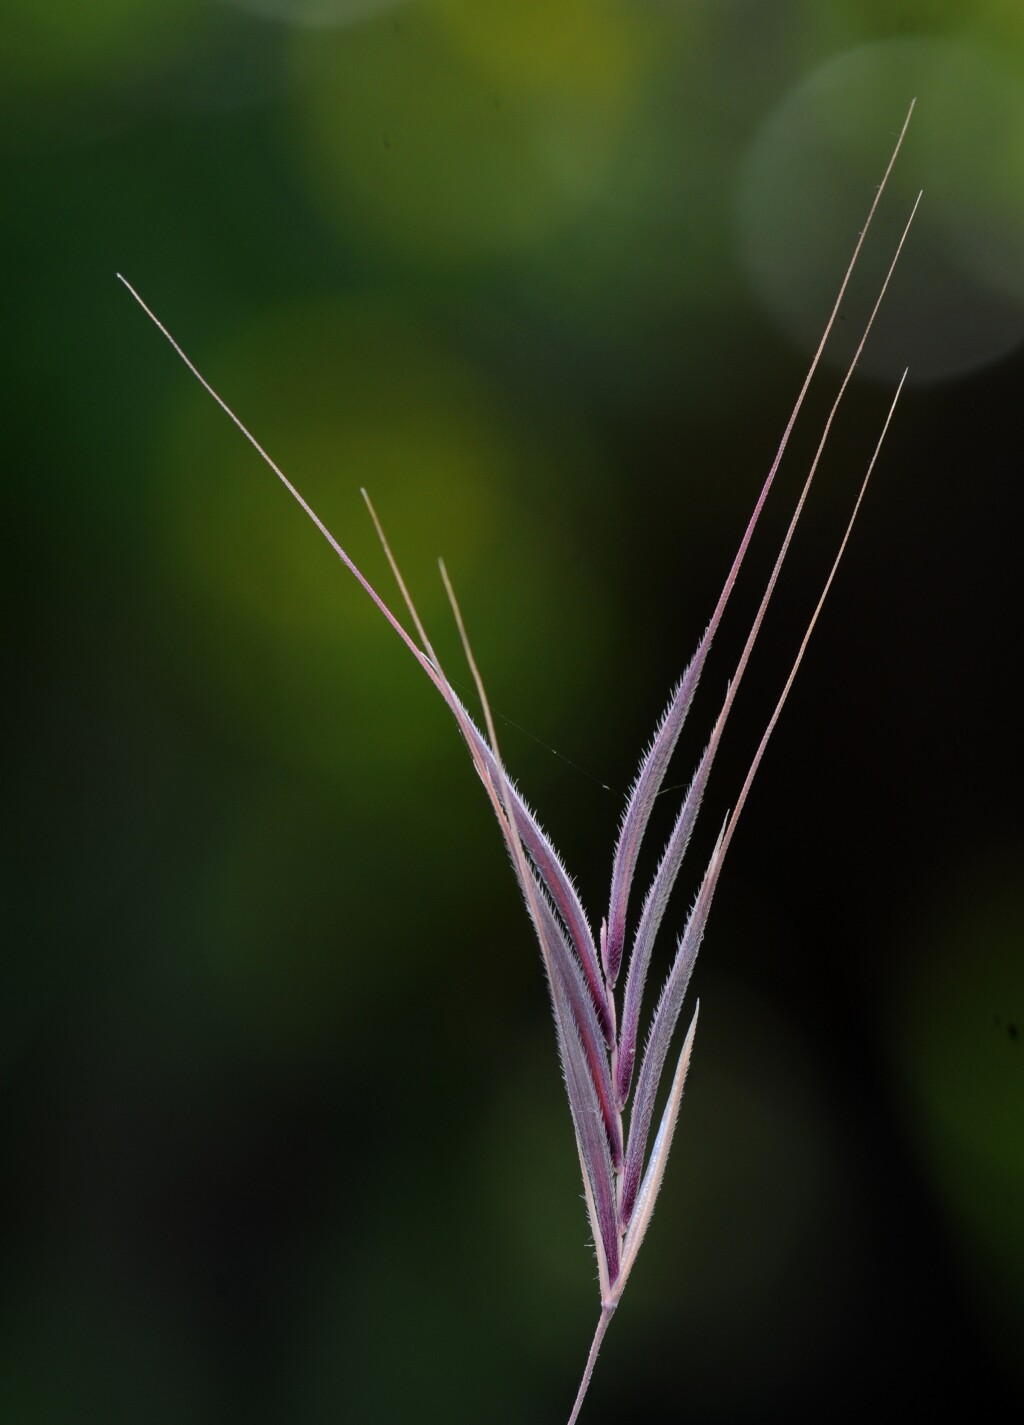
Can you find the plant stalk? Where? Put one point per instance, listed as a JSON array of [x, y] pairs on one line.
[[607, 1311]]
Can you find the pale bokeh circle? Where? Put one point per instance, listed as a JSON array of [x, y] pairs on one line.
[[806, 184]]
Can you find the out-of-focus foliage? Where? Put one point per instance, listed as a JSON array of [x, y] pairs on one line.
[[361, 392], [958, 1035], [59, 48], [283, 1133], [498, 125]]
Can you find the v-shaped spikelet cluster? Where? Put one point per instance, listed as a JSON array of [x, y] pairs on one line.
[[611, 1082]]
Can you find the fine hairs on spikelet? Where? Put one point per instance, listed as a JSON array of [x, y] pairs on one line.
[[599, 1055]]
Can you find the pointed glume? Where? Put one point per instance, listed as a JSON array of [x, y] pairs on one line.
[[621, 1181]]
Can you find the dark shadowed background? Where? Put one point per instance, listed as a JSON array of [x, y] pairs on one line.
[[283, 1132]]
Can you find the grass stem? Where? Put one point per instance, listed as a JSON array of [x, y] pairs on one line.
[[607, 1311]]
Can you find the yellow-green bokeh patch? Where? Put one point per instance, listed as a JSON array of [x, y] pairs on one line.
[[440, 138], [354, 393]]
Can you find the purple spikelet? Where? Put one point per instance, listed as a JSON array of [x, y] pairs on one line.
[[607, 1075]]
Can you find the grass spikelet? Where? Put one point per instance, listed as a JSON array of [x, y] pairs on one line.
[[611, 1083]]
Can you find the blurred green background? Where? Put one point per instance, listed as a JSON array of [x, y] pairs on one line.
[[284, 1137]]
